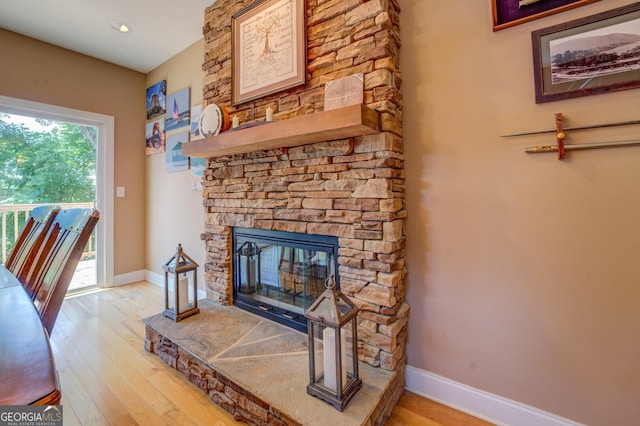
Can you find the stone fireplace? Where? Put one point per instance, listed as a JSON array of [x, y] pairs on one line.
[[350, 188], [345, 187]]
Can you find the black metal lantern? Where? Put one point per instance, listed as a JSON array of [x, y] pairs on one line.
[[248, 267], [333, 347], [180, 273]]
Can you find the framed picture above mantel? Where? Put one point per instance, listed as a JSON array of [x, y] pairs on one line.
[[508, 13], [588, 56], [269, 48]]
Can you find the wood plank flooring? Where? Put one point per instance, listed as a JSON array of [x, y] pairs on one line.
[[413, 409], [109, 379]]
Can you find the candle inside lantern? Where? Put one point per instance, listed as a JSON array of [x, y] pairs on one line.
[[235, 121], [183, 292], [329, 358], [269, 114]]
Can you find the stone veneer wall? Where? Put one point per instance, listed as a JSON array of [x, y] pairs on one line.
[[353, 188]]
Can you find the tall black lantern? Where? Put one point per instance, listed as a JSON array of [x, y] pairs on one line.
[[248, 261], [180, 273], [333, 347]]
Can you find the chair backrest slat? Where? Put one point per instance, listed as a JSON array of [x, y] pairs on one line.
[[48, 279], [31, 237]]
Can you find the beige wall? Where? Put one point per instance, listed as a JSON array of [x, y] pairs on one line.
[[175, 211], [523, 272], [523, 278], [40, 72]]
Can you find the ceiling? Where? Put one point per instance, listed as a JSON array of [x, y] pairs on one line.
[[159, 28]]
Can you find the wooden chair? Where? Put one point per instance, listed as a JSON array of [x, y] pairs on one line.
[[36, 227], [55, 263]]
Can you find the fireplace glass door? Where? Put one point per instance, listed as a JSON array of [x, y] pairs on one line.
[[278, 275]]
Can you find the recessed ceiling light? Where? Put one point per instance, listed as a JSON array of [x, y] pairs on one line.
[[120, 26]]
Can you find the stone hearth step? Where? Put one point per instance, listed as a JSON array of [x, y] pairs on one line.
[[258, 370]]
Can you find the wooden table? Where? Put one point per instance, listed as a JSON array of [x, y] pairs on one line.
[[27, 368]]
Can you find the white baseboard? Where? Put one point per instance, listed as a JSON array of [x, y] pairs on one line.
[[154, 278], [484, 405], [128, 278], [158, 279]]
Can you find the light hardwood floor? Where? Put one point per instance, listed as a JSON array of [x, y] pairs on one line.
[[108, 378]]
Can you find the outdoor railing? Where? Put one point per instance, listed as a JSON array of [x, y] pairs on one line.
[[13, 217]]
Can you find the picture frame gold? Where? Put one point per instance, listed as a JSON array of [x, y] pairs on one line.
[[508, 13], [269, 49], [588, 56]]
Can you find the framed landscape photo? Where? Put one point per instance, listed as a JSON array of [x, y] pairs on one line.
[[588, 56], [269, 48], [507, 13], [174, 159], [178, 114], [157, 100]]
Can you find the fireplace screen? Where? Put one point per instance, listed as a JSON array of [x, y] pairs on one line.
[[278, 275]]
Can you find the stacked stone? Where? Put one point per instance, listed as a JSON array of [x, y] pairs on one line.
[[353, 189], [344, 37]]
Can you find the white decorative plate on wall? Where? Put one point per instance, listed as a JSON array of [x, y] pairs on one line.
[[213, 120]]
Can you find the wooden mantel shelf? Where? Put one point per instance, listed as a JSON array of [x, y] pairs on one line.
[[341, 123]]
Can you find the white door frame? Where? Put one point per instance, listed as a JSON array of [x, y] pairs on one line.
[[104, 172]]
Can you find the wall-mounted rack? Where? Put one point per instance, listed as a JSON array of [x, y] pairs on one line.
[[560, 130]]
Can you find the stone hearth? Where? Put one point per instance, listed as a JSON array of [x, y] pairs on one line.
[[258, 370]]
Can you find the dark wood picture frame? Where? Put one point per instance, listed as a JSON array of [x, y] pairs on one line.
[[508, 13], [588, 56], [268, 48]]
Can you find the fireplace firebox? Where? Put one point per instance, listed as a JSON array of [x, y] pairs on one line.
[[278, 275]]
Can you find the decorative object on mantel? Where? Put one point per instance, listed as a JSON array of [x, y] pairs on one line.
[[333, 347], [560, 130], [213, 120], [248, 125], [346, 122], [180, 273], [269, 48], [344, 91]]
